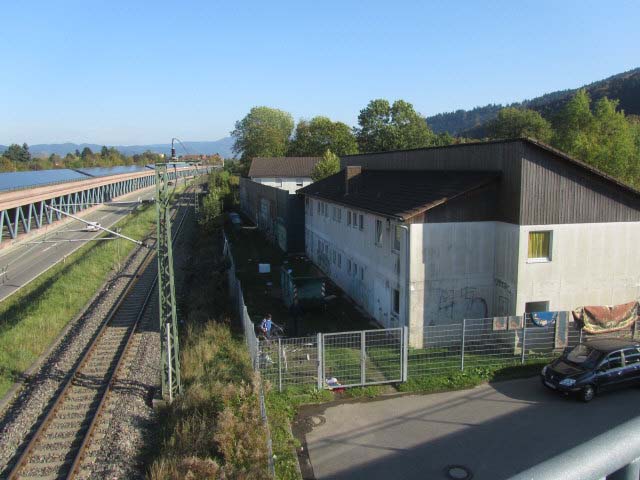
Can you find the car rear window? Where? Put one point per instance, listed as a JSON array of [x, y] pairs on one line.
[[631, 356]]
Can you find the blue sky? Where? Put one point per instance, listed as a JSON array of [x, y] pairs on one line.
[[134, 72]]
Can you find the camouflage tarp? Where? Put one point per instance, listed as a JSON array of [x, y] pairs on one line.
[[607, 319]]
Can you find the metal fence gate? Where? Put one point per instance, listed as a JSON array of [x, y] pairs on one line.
[[367, 357]]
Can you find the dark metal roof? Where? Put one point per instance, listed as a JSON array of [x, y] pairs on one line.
[[287, 167], [531, 141], [610, 344], [398, 193]]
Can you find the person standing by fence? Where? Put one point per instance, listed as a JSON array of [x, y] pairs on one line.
[[266, 325]]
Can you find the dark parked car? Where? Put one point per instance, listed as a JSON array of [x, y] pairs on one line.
[[595, 366]]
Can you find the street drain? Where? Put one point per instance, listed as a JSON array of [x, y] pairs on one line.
[[458, 472]]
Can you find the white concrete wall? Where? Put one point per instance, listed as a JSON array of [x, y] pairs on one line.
[[591, 264], [372, 287], [288, 184]]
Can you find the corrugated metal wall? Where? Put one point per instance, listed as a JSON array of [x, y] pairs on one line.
[[286, 209], [556, 191]]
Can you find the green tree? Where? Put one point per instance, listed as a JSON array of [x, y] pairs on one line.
[[315, 136], [18, 154], [263, 132], [384, 127], [573, 126], [326, 167], [86, 153], [211, 208], [520, 122], [604, 137], [104, 152]]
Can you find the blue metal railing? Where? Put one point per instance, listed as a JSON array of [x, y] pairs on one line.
[[614, 455]]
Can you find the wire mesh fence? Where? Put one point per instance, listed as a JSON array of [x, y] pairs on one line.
[[237, 298], [370, 357]]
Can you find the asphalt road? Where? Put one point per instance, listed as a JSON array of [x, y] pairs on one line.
[[22, 263], [494, 430]]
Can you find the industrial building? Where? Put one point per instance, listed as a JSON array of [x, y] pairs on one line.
[[432, 236]]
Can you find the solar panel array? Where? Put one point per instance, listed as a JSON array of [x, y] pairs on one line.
[[20, 180], [106, 171]]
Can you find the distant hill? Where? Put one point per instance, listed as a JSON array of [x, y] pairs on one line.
[[472, 123], [222, 147]]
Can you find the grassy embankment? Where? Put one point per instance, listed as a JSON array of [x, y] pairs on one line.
[[214, 429], [34, 316]]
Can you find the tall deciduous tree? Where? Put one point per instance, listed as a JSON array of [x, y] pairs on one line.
[[604, 137], [315, 136], [520, 122], [384, 127], [263, 132], [326, 167]]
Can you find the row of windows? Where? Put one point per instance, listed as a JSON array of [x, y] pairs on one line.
[[355, 220], [327, 255]]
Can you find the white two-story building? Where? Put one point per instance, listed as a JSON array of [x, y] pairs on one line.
[[286, 173], [433, 236]]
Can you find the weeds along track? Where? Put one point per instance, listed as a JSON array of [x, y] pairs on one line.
[[56, 449]]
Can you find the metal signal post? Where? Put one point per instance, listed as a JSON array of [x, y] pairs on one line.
[[170, 354]]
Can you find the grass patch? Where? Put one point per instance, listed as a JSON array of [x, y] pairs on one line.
[[215, 429], [472, 376], [34, 316]]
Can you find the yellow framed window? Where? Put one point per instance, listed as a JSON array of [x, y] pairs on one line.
[[540, 245]]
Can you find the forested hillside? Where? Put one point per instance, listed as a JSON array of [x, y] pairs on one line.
[[624, 87]]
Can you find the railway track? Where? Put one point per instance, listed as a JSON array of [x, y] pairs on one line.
[[56, 449]]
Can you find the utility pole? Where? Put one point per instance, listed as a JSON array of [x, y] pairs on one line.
[[169, 347]]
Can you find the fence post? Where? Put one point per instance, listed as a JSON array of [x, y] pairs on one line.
[[320, 347], [363, 358], [524, 338], [405, 352], [464, 323], [279, 365]]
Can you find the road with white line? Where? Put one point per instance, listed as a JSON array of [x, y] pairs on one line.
[[23, 263]]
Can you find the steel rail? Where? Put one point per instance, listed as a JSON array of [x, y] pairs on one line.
[[22, 460]]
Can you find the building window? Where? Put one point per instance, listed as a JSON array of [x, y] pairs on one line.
[[361, 218], [355, 219], [362, 273], [395, 303], [299, 182], [396, 238], [335, 257], [348, 218], [339, 260], [339, 214], [539, 246], [348, 266], [379, 232], [319, 207]]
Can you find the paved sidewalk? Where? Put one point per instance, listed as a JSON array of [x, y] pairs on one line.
[[495, 430]]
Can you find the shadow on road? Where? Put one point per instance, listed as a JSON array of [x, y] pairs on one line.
[[495, 430]]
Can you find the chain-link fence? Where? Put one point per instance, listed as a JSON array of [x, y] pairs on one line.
[[240, 309]]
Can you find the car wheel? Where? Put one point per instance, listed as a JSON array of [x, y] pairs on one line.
[[587, 393]]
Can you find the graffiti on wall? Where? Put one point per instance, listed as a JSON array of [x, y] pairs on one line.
[[453, 305]]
